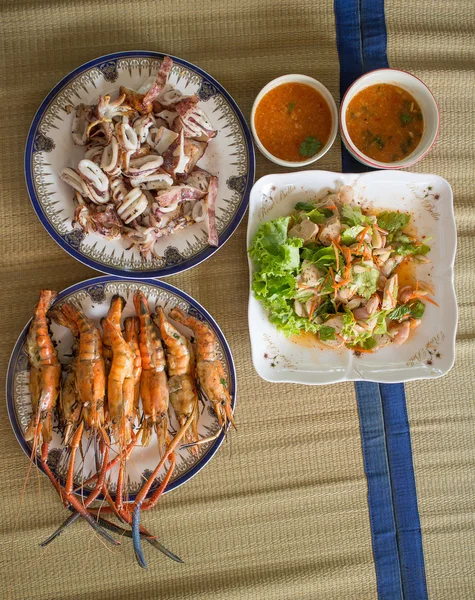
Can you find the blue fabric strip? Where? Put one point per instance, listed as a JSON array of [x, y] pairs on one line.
[[383, 526], [387, 452], [409, 537]]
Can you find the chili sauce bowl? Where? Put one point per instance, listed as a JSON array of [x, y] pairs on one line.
[[328, 98], [422, 95]]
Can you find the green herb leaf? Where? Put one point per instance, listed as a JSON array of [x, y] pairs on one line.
[[399, 312], [310, 146], [304, 295], [305, 206], [348, 236], [366, 282], [380, 328], [423, 249], [378, 140], [290, 107], [176, 336], [391, 221], [404, 246], [223, 382], [417, 309], [322, 257], [315, 215], [352, 215], [406, 118], [348, 324], [325, 309], [326, 333], [364, 340], [369, 343]]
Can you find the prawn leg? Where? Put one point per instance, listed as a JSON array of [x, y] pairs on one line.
[[148, 537], [89, 500], [150, 503], [69, 493]]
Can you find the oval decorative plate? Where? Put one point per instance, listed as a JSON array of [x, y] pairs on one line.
[[50, 148], [94, 296]]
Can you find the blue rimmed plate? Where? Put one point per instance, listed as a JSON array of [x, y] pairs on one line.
[[50, 148], [94, 296]]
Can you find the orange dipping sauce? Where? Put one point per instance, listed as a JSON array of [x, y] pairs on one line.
[[293, 121], [384, 122]]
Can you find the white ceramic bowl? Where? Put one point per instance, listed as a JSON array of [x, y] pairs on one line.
[[329, 100], [422, 95]]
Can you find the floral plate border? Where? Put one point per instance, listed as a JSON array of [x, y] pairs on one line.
[[38, 142], [95, 289]]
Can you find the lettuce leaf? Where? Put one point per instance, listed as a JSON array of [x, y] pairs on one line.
[[272, 251], [277, 262], [268, 287], [283, 316]]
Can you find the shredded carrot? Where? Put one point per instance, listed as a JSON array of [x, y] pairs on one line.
[[422, 297], [363, 350], [336, 242], [330, 206], [428, 300], [347, 251], [361, 235], [312, 307], [360, 238], [341, 283]]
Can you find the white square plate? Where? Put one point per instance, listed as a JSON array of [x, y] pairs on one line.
[[430, 351]]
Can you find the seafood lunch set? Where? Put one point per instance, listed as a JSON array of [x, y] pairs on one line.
[[139, 165]]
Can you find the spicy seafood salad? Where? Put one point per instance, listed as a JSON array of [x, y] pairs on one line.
[[332, 268], [139, 178]]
